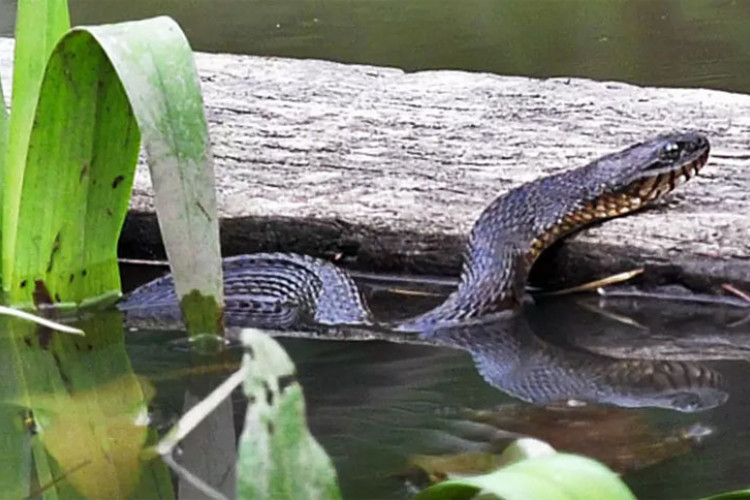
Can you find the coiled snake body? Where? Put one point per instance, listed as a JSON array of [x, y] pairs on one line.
[[290, 291]]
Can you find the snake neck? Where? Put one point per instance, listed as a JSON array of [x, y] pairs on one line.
[[503, 245], [520, 224]]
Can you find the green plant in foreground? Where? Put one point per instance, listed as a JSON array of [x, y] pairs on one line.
[[535, 471], [278, 457], [82, 102]]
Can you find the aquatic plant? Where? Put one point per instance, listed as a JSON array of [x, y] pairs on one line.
[[83, 101]]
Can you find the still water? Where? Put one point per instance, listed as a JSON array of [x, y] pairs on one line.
[[375, 406], [379, 408], [685, 43]]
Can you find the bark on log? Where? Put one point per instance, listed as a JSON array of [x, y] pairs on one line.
[[388, 170]]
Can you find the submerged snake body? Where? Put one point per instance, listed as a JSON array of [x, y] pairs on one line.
[[290, 291]]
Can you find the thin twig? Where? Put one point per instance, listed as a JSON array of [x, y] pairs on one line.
[[197, 413], [594, 285], [614, 316], [417, 293], [57, 480], [191, 478], [143, 262], [17, 313], [736, 291]]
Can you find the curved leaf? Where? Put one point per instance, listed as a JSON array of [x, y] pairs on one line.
[[76, 187], [156, 65], [552, 477], [104, 87]]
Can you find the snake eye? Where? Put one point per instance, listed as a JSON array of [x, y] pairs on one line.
[[687, 402], [671, 151]]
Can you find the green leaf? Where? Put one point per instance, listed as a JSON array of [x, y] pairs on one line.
[[39, 25], [156, 65], [3, 132], [525, 448], [278, 457], [558, 476], [79, 170], [3, 156], [102, 86]]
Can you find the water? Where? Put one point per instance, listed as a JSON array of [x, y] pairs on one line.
[[379, 408], [693, 43], [376, 405]]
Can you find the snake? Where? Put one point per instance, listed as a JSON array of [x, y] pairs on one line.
[[287, 291]]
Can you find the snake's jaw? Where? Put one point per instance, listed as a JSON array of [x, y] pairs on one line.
[[658, 167]]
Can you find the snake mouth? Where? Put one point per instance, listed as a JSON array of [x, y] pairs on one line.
[[677, 161], [665, 179], [659, 178]]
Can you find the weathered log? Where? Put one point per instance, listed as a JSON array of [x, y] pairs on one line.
[[388, 170]]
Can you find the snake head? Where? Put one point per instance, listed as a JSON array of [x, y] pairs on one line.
[[674, 151], [676, 385], [655, 167]]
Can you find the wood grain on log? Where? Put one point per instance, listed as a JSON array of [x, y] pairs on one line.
[[389, 169]]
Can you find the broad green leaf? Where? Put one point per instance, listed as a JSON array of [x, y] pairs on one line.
[[80, 165], [524, 449], [279, 458], [39, 25], [73, 207], [552, 477], [3, 132], [440, 467], [156, 66]]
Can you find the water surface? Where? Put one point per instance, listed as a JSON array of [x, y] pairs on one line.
[[693, 43], [376, 405]]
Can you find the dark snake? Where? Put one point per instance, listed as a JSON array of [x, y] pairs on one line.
[[283, 291]]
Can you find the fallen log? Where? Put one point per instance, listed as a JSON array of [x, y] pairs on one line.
[[386, 170]]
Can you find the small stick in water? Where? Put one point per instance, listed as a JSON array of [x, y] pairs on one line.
[[594, 285]]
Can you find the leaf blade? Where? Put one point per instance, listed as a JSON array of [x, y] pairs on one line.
[[559, 476], [39, 25], [162, 82], [83, 148]]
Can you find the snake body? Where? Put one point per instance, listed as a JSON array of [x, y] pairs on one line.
[[284, 291]]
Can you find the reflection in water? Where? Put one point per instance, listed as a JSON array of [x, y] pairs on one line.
[[372, 405], [510, 357], [74, 415], [625, 440], [628, 326]]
